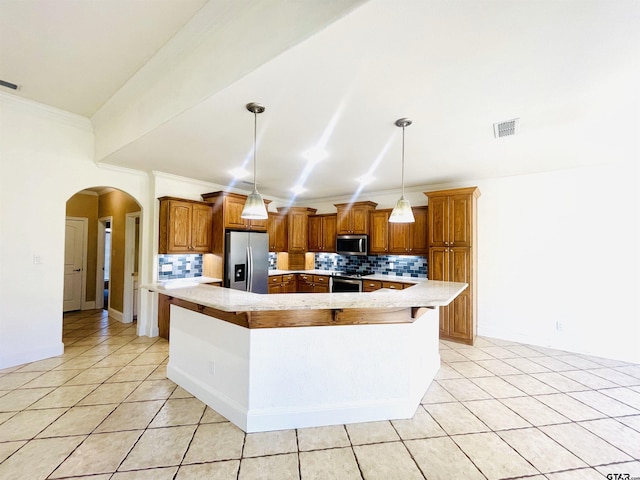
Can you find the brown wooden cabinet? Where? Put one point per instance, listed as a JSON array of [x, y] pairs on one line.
[[452, 234], [354, 217], [286, 283], [227, 211], [322, 233], [185, 226], [379, 228], [278, 232], [313, 283], [297, 227], [410, 238], [451, 220], [398, 238], [229, 207]]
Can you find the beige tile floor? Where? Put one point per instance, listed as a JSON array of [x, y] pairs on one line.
[[498, 410]]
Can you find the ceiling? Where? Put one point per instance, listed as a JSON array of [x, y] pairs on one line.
[[568, 70]]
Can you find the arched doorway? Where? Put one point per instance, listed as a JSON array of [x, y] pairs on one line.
[[111, 221]]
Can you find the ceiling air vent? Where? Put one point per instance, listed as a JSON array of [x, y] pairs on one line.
[[506, 128]]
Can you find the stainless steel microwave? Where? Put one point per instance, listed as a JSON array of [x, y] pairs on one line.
[[352, 244]]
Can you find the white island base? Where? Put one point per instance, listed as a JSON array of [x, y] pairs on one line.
[[265, 379]]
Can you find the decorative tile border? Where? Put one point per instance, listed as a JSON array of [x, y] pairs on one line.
[[179, 264], [403, 265]]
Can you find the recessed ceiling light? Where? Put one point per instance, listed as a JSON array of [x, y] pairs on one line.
[[298, 189], [315, 154], [239, 172]]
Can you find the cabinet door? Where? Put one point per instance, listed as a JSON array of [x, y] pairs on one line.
[[438, 264], [460, 323], [438, 228], [399, 238], [201, 228], [233, 214], [379, 238], [277, 230], [164, 313], [418, 232], [258, 225], [315, 234], [179, 226], [305, 284], [460, 220], [329, 233], [360, 219], [298, 232], [289, 284], [344, 221]]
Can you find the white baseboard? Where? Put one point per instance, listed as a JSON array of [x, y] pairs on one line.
[[115, 314], [49, 351], [89, 305]]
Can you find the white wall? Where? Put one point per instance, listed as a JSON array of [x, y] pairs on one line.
[[46, 157], [556, 248], [562, 247]]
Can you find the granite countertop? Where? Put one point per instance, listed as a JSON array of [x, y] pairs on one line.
[[185, 282], [429, 293]]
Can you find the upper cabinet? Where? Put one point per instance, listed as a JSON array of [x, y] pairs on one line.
[[229, 207], [354, 217], [410, 238], [398, 238], [451, 216], [278, 232], [185, 226], [297, 225], [227, 214], [322, 233]]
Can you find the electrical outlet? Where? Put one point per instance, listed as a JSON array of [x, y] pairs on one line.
[[559, 326], [212, 367], [188, 266], [167, 267], [37, 259], [391, 265]]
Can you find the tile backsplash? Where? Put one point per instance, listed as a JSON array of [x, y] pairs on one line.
[[403, 265], [179, 266], [273, 260]]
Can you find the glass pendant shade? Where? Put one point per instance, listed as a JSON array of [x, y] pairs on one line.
[[402, 212], [254, 208]]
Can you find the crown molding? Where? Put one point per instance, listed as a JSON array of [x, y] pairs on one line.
[[46, 111]]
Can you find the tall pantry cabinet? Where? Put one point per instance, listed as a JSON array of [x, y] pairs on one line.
[[452, 235]]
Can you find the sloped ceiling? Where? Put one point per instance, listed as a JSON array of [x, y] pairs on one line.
[[568, 70]]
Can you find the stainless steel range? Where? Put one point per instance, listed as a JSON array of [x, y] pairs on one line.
[[349, 281]]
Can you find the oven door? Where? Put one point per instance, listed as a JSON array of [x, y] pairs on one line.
[[340, 284]]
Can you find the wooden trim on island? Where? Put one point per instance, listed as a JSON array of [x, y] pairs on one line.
[[307, 318]]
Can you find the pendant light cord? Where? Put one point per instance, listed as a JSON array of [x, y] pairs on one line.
[[255, 128], [403, 162]]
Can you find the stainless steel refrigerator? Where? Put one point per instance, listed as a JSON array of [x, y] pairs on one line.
[[246, 265]]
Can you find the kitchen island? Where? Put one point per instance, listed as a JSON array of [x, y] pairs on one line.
[[272, 362]]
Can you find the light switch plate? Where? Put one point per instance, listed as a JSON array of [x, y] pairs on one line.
[[167, 267]]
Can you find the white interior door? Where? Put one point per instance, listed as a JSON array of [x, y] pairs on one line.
[[73, 256]]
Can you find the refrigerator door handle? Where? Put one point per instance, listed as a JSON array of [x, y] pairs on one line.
[[250, 268]]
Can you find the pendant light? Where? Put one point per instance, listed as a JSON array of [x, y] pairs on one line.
[[402, 213], [254, 208]]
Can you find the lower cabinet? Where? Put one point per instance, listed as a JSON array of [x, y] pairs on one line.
[[454, 265], [283, 283], [373, 285], [313, 283]]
